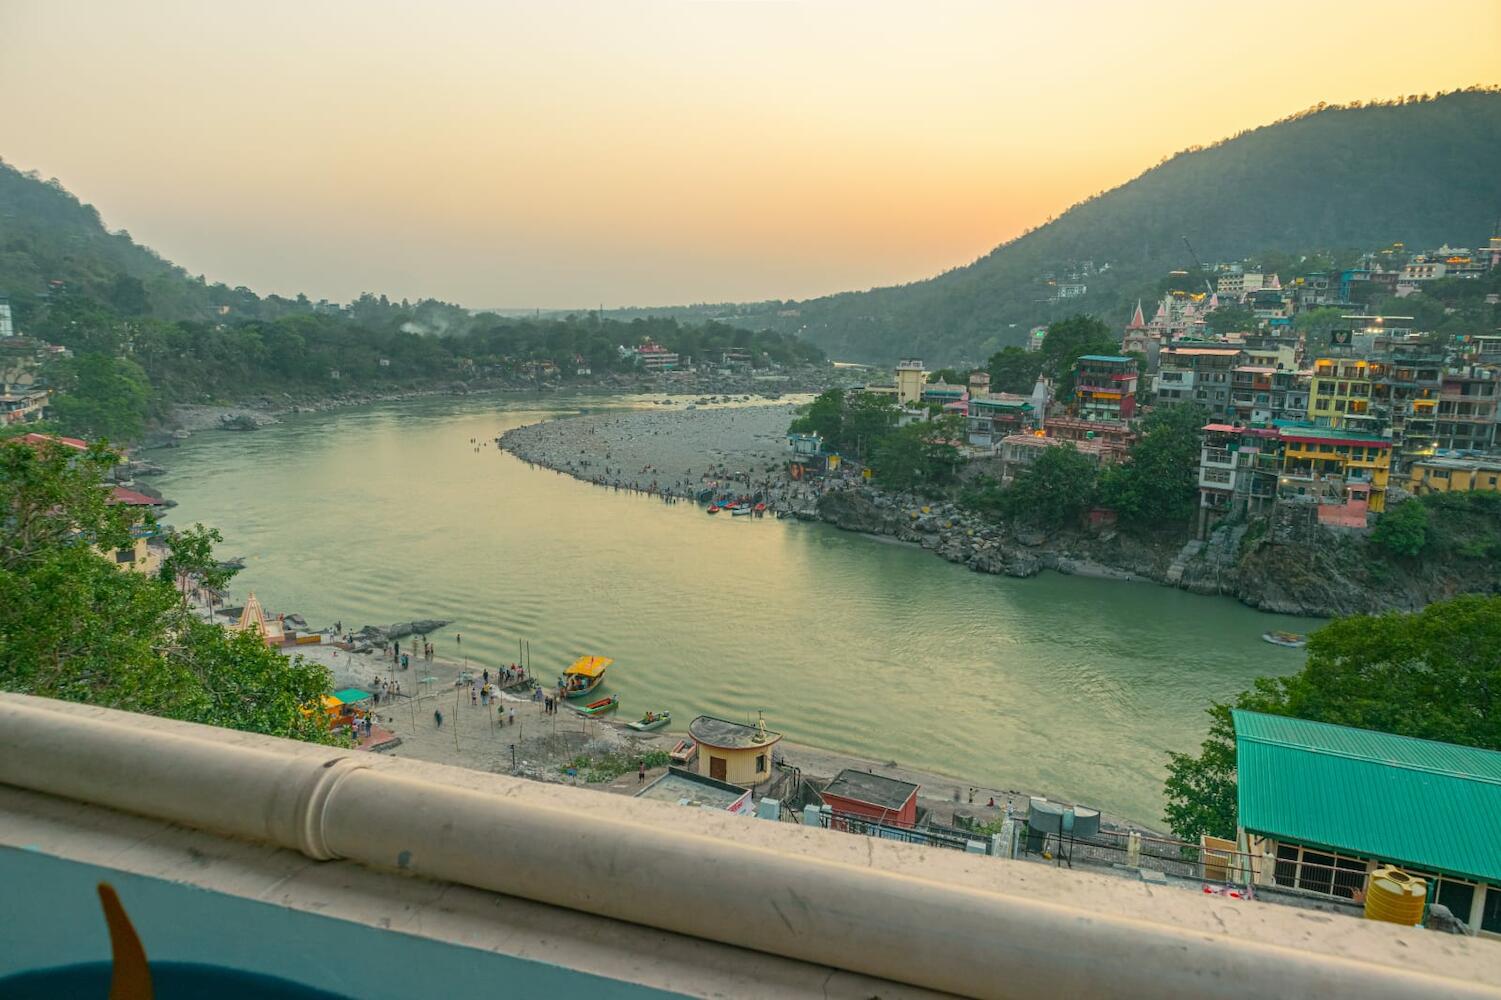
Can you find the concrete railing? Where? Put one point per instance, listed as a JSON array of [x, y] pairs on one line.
[[936, 919]]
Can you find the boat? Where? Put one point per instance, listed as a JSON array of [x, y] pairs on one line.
[[599, 707], [1292, 640], [760, 508], [683, 753], [584, 676], [741, 511], [651, 721], [713, 508]]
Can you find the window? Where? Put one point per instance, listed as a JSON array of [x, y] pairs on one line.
[[125, 556], [761, 763], [1216, 475], [1319, 871], [1490, 912]]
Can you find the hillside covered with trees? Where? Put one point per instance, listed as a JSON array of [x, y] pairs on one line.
[[146, 334], [1335, 179]]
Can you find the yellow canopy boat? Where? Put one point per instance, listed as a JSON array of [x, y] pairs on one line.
[[584, 676]]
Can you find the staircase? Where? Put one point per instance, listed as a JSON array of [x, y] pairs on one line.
[[1187, 554]]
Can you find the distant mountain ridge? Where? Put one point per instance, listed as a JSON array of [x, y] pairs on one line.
[[1422, 171]]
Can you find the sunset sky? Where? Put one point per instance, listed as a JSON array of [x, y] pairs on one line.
[[571, 153]]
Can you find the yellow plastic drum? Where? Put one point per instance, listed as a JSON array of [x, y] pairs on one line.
[[1396, 897]]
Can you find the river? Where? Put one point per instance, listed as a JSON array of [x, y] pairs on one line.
[[1069, 686]]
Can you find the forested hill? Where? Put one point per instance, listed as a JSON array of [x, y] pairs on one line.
[[146, 334], [1421, 172]]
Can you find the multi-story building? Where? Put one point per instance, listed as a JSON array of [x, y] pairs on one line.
[[1251, 394], [1454, 475], [1105, 387], [1234, 284], [910, 378], [656, 358], [1114, 438], [1197, 373], [1394, 396], [1238, 472], [1467, 409], [1324, 463], [993, 416]]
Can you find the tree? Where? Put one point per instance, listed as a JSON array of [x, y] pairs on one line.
[[1069, 338], [1013, 369], [868, 419], [1158, 483], [1231, 318], [101, 397], [1403, 530], [1054, 491], [1434, 674], [919, 456], [951, 376], [76, 627], [823, 416], [190, 557]]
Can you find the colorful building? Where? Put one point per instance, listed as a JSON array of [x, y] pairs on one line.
[[1238, 472], [1454, 475], [1324, 462], [729, 751], [1105, 387], [1320, 807], [1395, 396]]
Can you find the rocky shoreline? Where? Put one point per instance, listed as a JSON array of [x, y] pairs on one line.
[[677, 453]]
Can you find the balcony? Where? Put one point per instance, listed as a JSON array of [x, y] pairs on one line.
[[367, 875]]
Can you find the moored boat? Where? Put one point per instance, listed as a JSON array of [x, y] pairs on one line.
[[1292, 640], [584, 676], [713, 508], [599, 707], [741, 511], [651, 721], [684, 752]]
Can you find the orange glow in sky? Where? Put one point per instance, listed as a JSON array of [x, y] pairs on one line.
[[564, 153]]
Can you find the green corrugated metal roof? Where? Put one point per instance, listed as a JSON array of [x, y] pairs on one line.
[[1416, 802]]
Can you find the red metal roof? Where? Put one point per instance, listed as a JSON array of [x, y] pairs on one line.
[[131, 498], [74, 443]]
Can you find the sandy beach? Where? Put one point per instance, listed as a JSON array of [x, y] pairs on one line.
[[671, 452]]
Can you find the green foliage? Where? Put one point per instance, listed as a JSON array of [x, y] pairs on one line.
[[1231, 318], [1403, 530], [852, 424], [1200, 790], [920, 456], [190, 557], [1433, 674], [1013, 369], [76, 627], [1070, 339], [101, 397], [951, 376], [609, 766], [1054, 491], [1158, 484]]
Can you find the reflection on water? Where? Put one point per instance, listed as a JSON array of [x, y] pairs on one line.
[[1064, 685]]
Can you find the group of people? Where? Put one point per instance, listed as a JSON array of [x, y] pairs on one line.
[[404, 660], [384, 689]]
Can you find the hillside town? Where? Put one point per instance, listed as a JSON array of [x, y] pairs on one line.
[[1329, 429]]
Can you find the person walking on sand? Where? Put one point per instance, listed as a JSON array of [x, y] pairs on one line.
[[438, 717], [513, 715], [641, 772]]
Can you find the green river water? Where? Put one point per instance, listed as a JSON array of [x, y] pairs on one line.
[[1067, 686]]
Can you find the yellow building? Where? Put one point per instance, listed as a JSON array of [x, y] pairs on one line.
[[910, 379], [1454, 475], [728, 751], [1341, 390], [1323, 456]]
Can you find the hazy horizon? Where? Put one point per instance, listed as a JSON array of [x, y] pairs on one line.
[[585, 153]]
